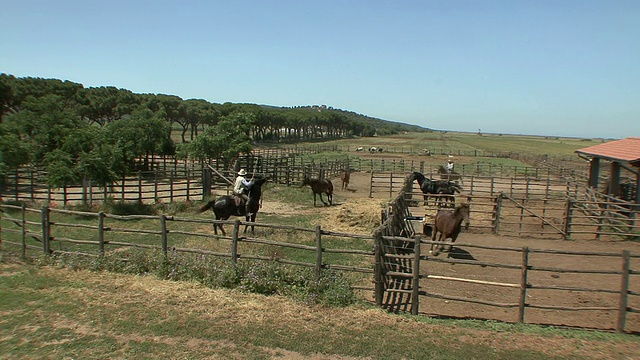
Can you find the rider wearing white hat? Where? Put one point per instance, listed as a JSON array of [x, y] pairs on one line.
[[240, 188], [450, 165]]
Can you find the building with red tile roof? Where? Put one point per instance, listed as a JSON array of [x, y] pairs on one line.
[[623, 153]]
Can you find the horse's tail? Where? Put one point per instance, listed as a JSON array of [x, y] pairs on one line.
[[207, 206]]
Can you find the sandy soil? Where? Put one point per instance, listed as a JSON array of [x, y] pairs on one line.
[[354, 211]]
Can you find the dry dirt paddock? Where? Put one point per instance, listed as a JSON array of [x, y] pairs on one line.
[[353, 211]]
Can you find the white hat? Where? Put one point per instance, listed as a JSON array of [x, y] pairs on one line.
[[242, 172]]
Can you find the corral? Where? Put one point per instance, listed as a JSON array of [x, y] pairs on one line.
[[577, 283]]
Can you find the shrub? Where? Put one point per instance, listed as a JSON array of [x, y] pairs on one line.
[[262, 277]]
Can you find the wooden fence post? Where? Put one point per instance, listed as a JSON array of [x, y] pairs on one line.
[[567, 219], [171, 176], [139, 186], [496, 213], [234, 242], [206, 182], [165, 235], [24, 230], [371, 185], [318, 251], [101, 231], [524, 275], [188, 182], [624, 291], [391, 184], [415, 292], [45, 215], [155, 185], [378, 276]]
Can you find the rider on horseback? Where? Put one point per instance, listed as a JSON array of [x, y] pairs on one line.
[[449, 166], [241, 187]]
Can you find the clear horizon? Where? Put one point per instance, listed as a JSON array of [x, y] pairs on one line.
[[567, 69]]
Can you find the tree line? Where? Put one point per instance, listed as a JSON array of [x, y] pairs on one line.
[[98, 133]]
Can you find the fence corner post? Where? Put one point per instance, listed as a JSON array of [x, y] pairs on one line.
[[624, 291]]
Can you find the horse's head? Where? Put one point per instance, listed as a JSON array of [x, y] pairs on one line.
[[255, 187], [465, 211], [417, 176], [305, 181]]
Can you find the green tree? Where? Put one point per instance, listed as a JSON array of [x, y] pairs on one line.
[[138, 137], [43, 123], [85, 154], [228, 139], [102, 105]]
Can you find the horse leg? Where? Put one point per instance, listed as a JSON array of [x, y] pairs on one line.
[[251, 219], [330, 198], [215, 226], [433, 238], [323, 199]]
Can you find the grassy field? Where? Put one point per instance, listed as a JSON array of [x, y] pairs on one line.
[[51, 313], [522, 144]]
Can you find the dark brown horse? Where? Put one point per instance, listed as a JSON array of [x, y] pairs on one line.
[[232, 205], [319, 186], [344, 176], [448, 224]]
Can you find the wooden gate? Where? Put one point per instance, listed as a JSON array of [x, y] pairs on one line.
[[397, 271]]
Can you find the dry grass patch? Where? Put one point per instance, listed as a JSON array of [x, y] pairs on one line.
[[236, 312]]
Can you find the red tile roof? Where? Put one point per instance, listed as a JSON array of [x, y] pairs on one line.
[[619, 150]]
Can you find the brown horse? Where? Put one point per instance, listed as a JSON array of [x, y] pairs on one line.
[[448, 224], [344, 176], [450, 176], [319, 186]]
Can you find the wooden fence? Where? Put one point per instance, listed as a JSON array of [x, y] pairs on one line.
[[527, 289], [402, 274], [528, 277], [52, 230], [171, 180]]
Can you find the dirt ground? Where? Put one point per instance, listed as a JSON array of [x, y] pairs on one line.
[[353, 211]]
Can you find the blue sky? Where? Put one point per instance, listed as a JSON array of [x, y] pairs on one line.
[[558, 68]]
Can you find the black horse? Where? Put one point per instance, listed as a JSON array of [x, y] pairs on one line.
[[232, 205], [319, 186], [444, 190]]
